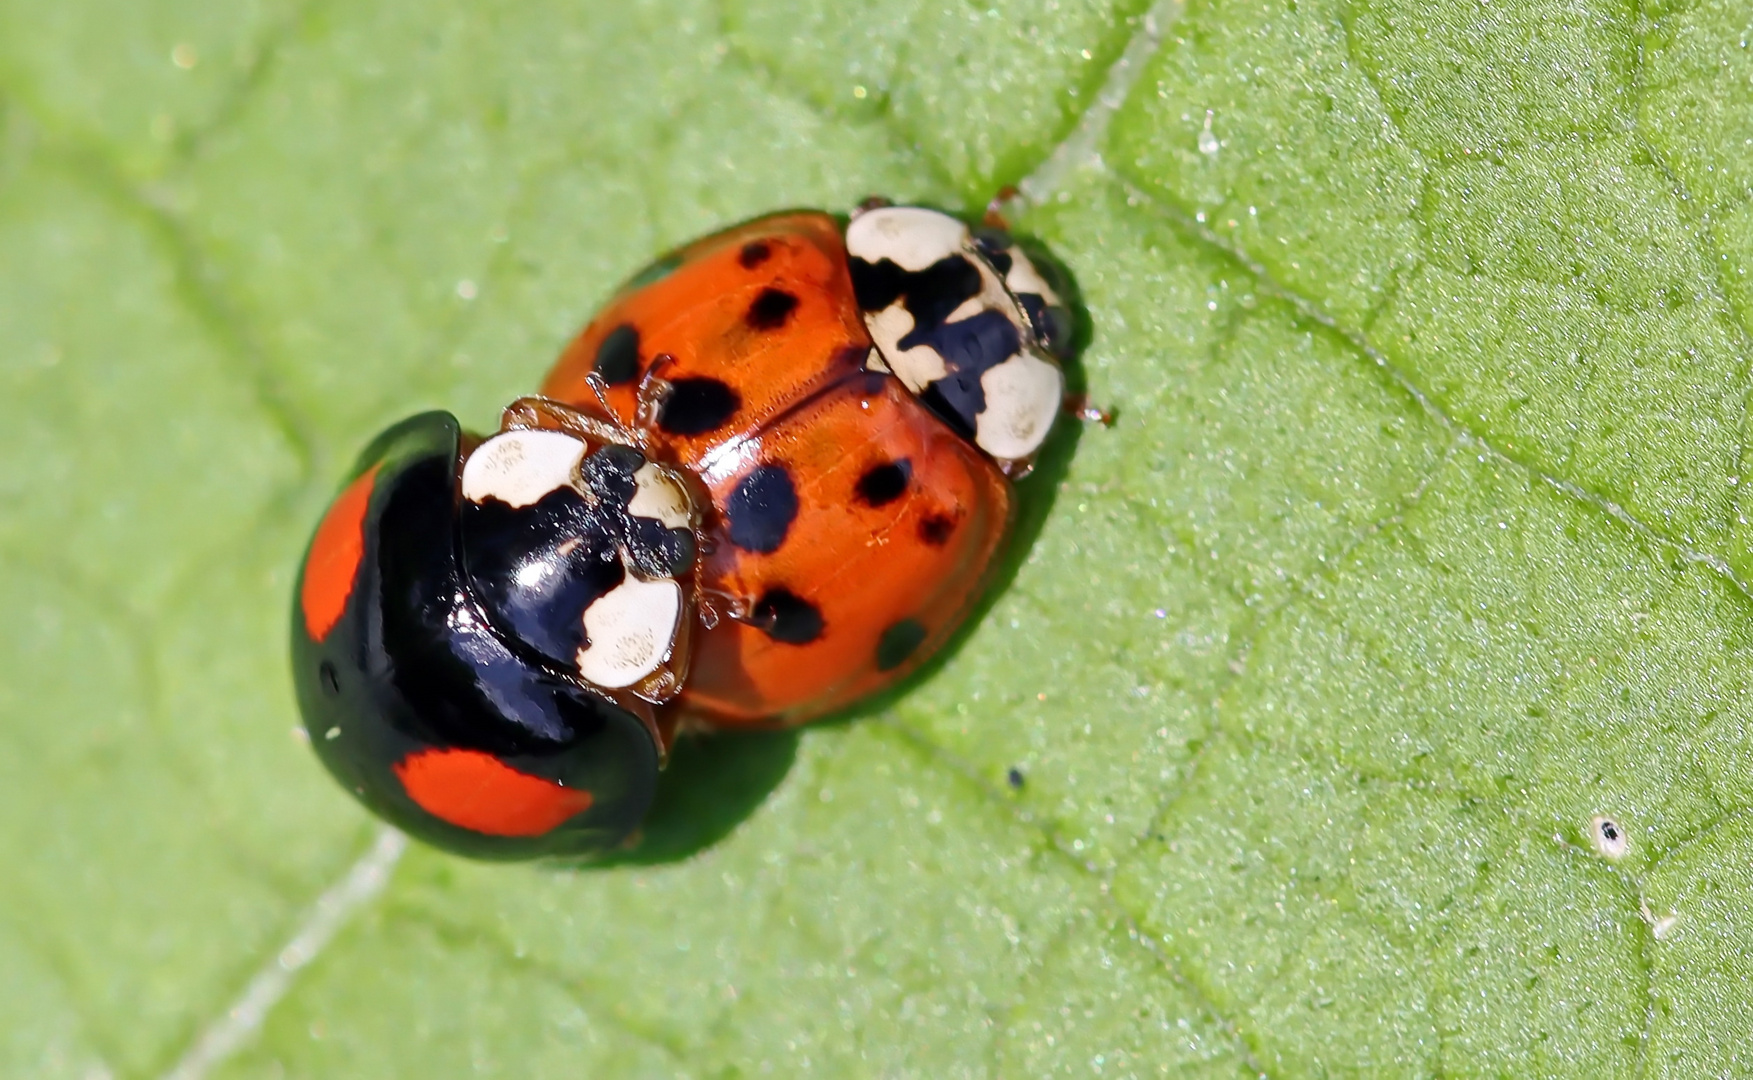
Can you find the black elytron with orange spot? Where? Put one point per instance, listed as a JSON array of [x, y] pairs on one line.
[[769, 478]]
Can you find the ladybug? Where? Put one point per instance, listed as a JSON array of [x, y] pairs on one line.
[[771, 477]]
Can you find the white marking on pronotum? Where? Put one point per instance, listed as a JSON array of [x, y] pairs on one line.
[[1607, 836], [1024, 278], [911, 237], [1023, 395], [659, 494], [226, 1035], [519, 467], [631, 629], [917, 367]]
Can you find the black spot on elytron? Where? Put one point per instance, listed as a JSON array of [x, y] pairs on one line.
[[898, 643], [883, 484], [771, 309], [788, 617], [1014, 777], [851, 356], [331, 681], [697, 405], [754, 253], [617, 359], [761, 509], [937, 529]]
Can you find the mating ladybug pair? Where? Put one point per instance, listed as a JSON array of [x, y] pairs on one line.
[[771, 477]]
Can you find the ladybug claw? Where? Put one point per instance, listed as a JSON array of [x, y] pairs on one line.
[[1078, 405], [994, 216]]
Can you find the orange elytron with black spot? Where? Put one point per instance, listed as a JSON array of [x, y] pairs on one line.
[[771, 477]]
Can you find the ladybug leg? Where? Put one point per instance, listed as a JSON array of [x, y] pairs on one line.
[[716, 605], [1078, 405], [547, 414], [650, 394], [872, 202], [994, 216]]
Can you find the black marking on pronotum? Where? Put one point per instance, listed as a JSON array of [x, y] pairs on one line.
[[996, 247], [771, 309], [876, 285], [697, 405], [898, 643], [617, 359], [761, 509], [534, 570], [574, 543], [883, 484], [935, 529], [754, 253], [788, 617], [1052, 324], [929, 295], [970, 348]]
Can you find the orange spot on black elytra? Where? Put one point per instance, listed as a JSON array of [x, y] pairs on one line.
[[333, 562], [476, 791]]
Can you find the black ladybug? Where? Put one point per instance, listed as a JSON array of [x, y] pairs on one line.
[[477, 638]]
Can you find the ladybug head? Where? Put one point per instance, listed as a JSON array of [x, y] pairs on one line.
[[967, 322], [477, 640]]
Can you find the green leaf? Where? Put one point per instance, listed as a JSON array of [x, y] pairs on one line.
[[1420, 544]]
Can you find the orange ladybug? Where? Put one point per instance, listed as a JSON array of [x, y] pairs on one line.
[[771, 477], [854, 401]]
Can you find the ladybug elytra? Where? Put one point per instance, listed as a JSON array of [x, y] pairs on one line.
[[769, 478]]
